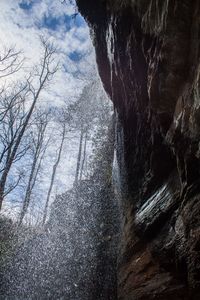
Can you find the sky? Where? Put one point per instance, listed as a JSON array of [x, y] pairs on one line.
[[22, 22]]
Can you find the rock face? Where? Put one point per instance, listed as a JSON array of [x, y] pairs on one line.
[[147, 53]]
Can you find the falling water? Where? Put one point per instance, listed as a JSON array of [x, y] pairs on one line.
[[110, 38], [119, 171], [75, 256]]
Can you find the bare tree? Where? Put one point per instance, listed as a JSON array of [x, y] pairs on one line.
[[64, 117], [11, 61], [9, 129], [78, 162], [90, 113], [10, 97], [23, 110], [84, 112], [39, 145], [84, 155]]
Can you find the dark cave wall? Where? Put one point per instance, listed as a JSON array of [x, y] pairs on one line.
[[147, 53]]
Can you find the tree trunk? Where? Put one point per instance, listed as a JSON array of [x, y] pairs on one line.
[[34, 169], [28, 191], [4, 177], [79, 159], [43, 77], [17, 143], [53, 176], [84, 155]]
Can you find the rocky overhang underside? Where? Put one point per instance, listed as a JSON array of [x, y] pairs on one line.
[[147, 53]]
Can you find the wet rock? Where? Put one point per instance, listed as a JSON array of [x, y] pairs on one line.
[[148, 58]]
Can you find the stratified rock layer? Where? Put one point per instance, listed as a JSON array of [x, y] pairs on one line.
[[148, 57]]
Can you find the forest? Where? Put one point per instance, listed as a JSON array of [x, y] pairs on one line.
[[32, 131]]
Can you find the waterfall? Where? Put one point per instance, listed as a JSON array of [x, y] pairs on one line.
[[119, 169], [110, 39], [75, 256]]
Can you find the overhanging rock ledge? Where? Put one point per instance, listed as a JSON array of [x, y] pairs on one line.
[[147, 53]]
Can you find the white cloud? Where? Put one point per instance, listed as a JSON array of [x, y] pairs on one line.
[[22, 27]]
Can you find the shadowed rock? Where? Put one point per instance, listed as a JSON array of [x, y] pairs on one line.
[[148, 58]]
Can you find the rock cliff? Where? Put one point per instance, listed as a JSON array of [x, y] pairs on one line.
[[147, 53]]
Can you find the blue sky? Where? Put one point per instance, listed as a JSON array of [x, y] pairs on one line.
[[22, 21], [50, 21]]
